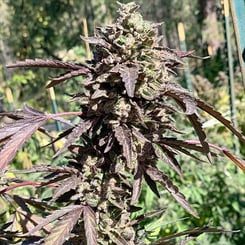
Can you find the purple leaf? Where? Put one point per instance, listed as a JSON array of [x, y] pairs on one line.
[[76, 132], [124, 137], [158, 176], [62, 230], [46, 63], [137, 184], [90, 225], [129, 76]]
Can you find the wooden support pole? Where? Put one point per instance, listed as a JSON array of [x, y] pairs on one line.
[[181, 33]]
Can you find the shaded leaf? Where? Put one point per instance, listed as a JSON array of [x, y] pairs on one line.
[[151, 184], [116, 238], [28, 221], [109, 144], [76, 132], [139, 135], [123, 136], [129, 76], [182, 96], [67, 185], [158, 176], [137, 184], [37, 203], [47, 168], [90, 225], [194, 119], [62, 230], [167, 156], [211, 111]]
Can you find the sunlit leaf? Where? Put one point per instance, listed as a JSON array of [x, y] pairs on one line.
[[129, 76], [62, 230], [90, 225]]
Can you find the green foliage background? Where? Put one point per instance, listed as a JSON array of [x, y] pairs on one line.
[[51, 29]]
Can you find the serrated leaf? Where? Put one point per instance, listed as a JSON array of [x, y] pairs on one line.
[[67, 75], [20, 131], [139, 135], [16, 141], [90, 225], [239, 162], [124, 138], [46, 63], [28, 221], [47, 168], [129, 76], [137, 184], [66, 185], [76, 132], [193, 233], [142, 217], [109, 144], [211, 111], [151, 184], [116, 238], [62, 230], [52, 217], [158, 176], [195, 121], [96, 41], [182, 96], [167, 156]]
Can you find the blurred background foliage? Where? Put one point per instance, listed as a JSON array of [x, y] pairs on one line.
[[51, 29]]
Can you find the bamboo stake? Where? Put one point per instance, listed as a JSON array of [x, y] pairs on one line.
[[10, 98], [85, 31], [230, 72], [55, 108], [181, 32]]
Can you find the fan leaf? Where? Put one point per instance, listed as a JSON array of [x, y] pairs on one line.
[[152, 184], [76, 132], [129, 76], [47, 63], [52, 217], [62, 230], [90, 225], [211, 111], [137, 184], [167, 156], [181, 95], [124, 138], [67, 75], [19, 132], [158, 176], [67, 185]]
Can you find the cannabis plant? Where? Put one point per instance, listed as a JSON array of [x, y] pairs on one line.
[[126, 126]]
